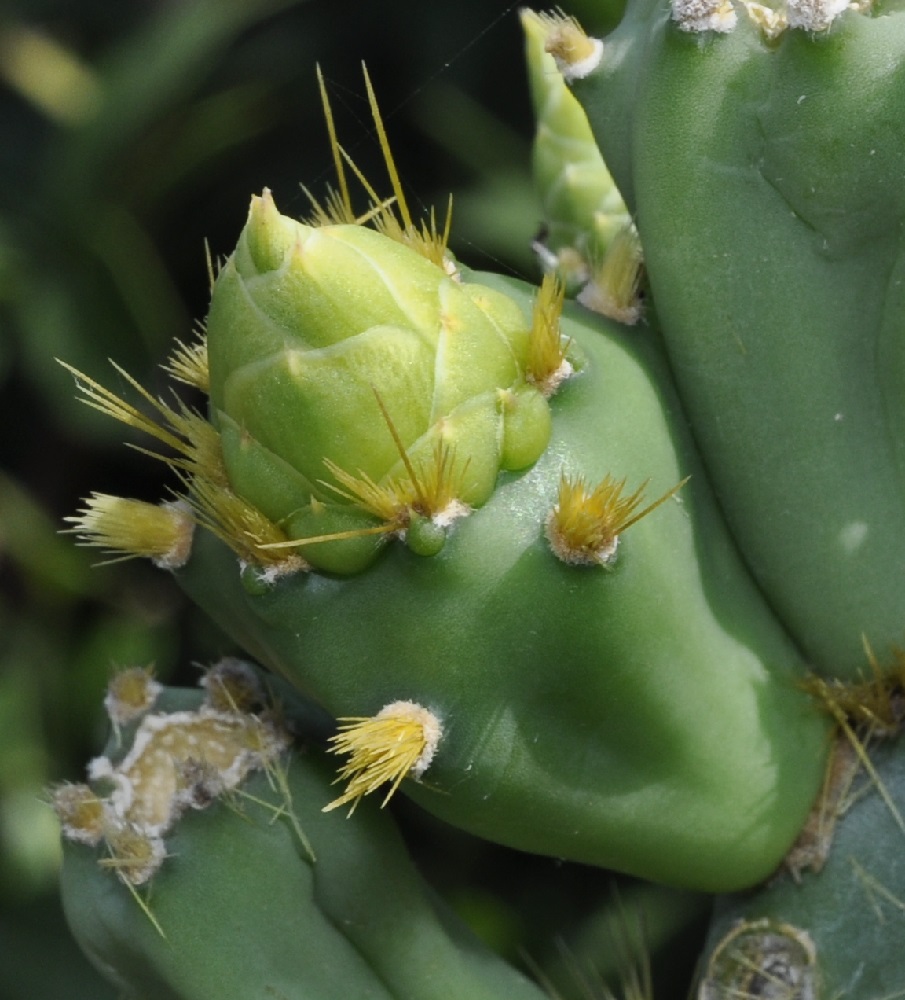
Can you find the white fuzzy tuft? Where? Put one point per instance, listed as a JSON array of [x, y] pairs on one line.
[[814, 15], [704, 15]]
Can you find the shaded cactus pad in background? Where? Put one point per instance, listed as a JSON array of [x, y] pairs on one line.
[[257, 893]]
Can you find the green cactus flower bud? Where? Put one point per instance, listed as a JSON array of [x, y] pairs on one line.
[[336, 352]]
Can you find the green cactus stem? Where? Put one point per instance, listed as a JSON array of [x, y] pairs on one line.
[[256, 893], [762, 158], [836, 931]]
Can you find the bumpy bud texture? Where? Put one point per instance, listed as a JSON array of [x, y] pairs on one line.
[[336, 348]]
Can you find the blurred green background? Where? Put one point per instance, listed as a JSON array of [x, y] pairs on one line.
[[130, 134]]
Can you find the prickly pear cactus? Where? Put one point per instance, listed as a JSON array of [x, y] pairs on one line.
[[614, 581]]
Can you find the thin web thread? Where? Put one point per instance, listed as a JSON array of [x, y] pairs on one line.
[[368, 133]]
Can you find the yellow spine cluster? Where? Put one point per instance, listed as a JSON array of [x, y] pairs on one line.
[[398, 742]]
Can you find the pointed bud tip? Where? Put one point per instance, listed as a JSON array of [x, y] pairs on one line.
[[268, 234]]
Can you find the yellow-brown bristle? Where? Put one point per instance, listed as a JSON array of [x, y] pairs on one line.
[[547, 365], [575, 52], [426, 240], [250, 534], [585, 524], [134, 855], [614, 286], [875, 705], [429, 489], [185, 431], [130, 529], [188, 364], [390, 216]]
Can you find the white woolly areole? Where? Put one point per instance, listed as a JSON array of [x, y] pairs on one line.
[[99, 768], [454, 510], [583, 67], [771, 22], [556, 378], [603, 555], [599, 300], [178, 555], [134, 854], [130, 693], [431, 729], [233, 681], [82, 814], [271, 574], [548, 260], [704, 15], [814, 15]]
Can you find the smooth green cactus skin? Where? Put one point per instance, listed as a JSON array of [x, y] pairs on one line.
[[311, 328], [246, 913], [643, 717], [765, 180], [853, 911]]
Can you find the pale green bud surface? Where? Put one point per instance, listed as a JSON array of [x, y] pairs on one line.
[[336, 344]]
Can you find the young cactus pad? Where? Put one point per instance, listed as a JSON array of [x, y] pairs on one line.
[[582, 208], [762, 159]]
